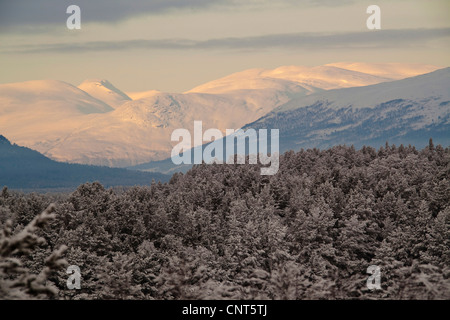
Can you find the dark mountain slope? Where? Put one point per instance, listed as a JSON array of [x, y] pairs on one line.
[[23, 168]]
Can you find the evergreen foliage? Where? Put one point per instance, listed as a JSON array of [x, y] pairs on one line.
[[226, 232]]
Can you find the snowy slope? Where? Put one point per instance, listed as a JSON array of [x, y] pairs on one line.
[[136, 95], [103, 90], [395, 71], [339, 75], [42, 112], [71, 124], [407, 111], [141, 130], [146, 124], [434, 84], [43, 95]]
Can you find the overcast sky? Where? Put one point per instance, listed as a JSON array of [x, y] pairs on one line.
[[174, 45]]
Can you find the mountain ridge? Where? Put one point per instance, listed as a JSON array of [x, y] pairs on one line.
[[24, 168], [105, 91], [404, 111], [321, 121], [127, 132]]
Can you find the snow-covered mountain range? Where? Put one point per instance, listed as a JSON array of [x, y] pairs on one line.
[[408, 111], [96, 123]]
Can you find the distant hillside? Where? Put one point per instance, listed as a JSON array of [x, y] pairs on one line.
[[407, 111], [105, 91], [98, 124], [23, 168]]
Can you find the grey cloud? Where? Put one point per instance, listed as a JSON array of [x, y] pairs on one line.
[[17, 14], [365, 39]]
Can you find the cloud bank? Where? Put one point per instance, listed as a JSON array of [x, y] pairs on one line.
[[321, 41], [19, 13]]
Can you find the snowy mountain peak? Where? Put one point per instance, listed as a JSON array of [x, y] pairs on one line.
[[395, 71], [434, 84], [407, 111], [36, 87], [330, 76], [38, 96], [96, 123], [103, 90]]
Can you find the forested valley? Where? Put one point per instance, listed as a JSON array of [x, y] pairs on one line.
[[227, 232]]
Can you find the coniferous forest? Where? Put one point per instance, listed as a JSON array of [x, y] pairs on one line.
[[226, 232]]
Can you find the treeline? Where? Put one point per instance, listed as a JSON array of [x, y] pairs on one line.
[[224, 231]]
